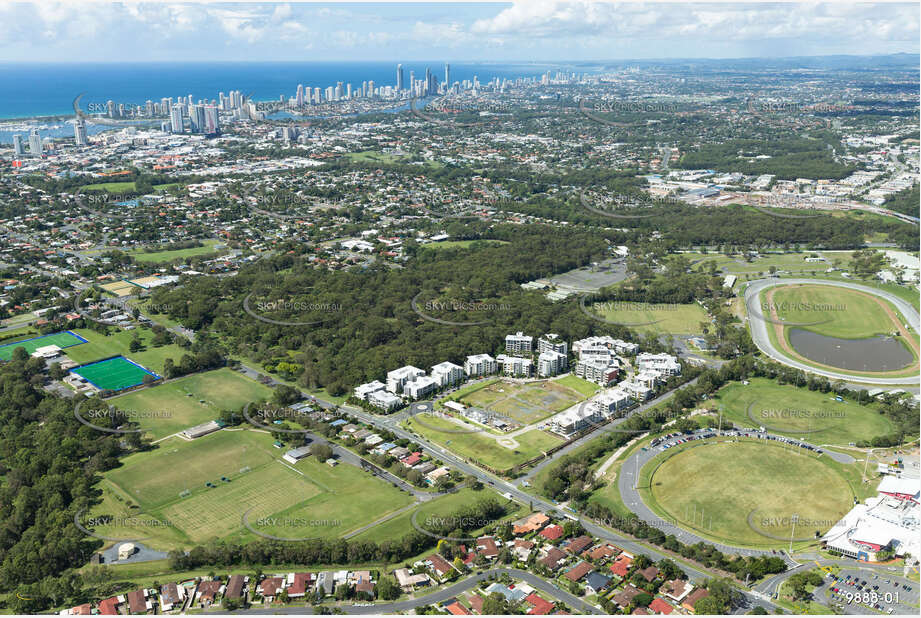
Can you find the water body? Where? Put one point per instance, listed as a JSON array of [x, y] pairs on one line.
[[880, 353], [41, 89]]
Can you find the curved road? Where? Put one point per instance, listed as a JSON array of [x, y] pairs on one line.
[[759, 327], [632, 499]]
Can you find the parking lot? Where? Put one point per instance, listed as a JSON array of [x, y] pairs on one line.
[[857, 591]]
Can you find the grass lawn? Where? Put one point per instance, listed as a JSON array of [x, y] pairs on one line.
[[480, 447], [844, 313], [667, 318], [298, 497], [139, 255], [703, 487], [100, 346], [584, 387], [190, 400], [528, 402], [111, 187], [401, 525], [799, 412]]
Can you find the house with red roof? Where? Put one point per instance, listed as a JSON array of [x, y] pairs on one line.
[[109, 607], [579, 571], [456, 609], [552, 532], [660, 606], [621, 565], [298, 583], [137, 602], [270, 587], [539, 606]]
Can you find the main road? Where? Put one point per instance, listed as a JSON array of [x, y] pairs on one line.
[[760, 326]]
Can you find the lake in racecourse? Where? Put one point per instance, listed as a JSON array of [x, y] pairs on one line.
[[880, 353]]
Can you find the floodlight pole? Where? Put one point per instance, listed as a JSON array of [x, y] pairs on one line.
[[792, 532]]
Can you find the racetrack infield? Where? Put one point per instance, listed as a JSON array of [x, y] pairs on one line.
[[745, 493]]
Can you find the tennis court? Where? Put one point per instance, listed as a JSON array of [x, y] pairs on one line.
[[113, 374], [63, 339]]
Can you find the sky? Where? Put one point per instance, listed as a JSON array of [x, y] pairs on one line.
[[522, 30]]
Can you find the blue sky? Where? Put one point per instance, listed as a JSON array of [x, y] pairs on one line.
[[49, 31]]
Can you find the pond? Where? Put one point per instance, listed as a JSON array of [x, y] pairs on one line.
[[880, 353]]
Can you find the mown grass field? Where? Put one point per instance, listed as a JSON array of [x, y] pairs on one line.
[[152, 481], [481, 447], [728, 490], [675, 319], [117, 343], [461, 244], [799, 412], [843, 313], [529, 402], [191, 400], [139, 255], [401, 525]]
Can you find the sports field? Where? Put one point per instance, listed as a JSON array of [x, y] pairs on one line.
[[113, 374], [799, 412], [746, 492], [842, 313], [190, 400], [167, 255], [63, 339], [665, 318], [525, 403], [480, 446], [304, 498], [99, 346]]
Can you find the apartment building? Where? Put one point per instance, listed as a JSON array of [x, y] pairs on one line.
[[515, 365], [551, 363], [551, 342], [598, 371], [664, 363], [398, 378], [519, 344], [480, 365], [420, 387], [447, 373]]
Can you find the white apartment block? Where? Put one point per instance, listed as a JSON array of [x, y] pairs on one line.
[[448, 373], [420, 387], [384, 399], [398, 378], [637, 390], [551, 342], [597, 371], [515, 365], [519, 343], [576, 419], [480, 365], [620, 346], [613, 401], [550, 363], [363, 390], [664, 363]]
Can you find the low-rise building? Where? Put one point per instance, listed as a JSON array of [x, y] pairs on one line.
[[551, 363], [515, 366]]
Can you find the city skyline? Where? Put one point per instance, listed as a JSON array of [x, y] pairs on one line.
[[462, 32]]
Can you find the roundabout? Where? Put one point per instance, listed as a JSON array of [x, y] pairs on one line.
[[807, 335], [747, 493]]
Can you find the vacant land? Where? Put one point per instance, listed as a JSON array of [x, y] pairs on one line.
[[168, 408], [462, 244], [667, 318], [168, 255], [703, 487], [99, 346], [247, 476], [445, 506], [480, 447], [526, 403], [584, 387], [111, 187], [799, 412]]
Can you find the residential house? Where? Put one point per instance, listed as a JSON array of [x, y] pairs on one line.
[[625, 597], [138, 602], [522, 549], [409, 582], [621, 565], [531, 523], [596, 583], [690, 601], [661, 606], [298, 584], [439, 565], [208, 592], [236, 587], [579, 544], [554, 558], [270, 587], [109, 607], [579, 571], [676, 589], [172, 596], [650, 573], [539, 606], [486, 546], [552, 532]]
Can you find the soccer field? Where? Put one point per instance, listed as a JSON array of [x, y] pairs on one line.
[[113, 374], [247, 476], [64, 339]]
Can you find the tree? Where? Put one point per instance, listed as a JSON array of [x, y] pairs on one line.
[[135, 345], [321, 451], [387, 589], [495, 605], [285, 395], [709, 606]]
